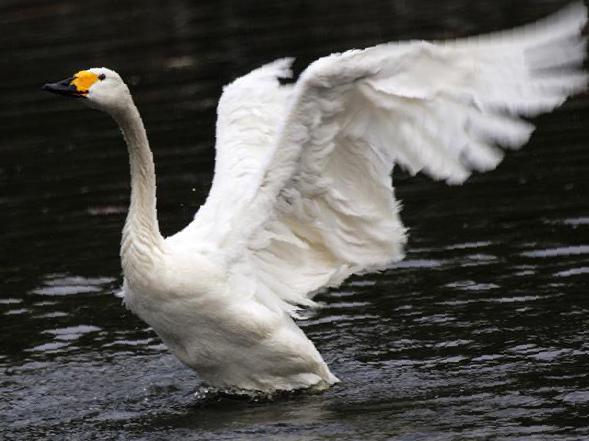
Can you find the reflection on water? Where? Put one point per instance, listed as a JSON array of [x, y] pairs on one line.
[[62, 285], [481, 332]]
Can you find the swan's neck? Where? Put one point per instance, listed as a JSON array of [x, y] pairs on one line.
[[142, 243]]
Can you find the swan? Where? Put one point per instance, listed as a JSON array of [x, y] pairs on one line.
[[302, 195]]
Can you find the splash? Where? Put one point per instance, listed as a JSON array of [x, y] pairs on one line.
[[206, 395]]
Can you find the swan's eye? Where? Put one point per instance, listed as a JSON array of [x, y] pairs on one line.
[[101, 77]]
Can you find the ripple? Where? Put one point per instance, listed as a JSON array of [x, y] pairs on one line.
[[179, 62], [580, 397], [10, 301], [362, 283], [46, 303], [453, 343], [53, 314], [348, 305], [573, 272], [125, 342], [491, 357], [558, 252], [435, 318], [343, 293], [418, 263], [338, 319], [16, 311], [60, 285], [552, 354], [72, 332], [106, 210], [514, 299], [48, 347], [444, 360], [524, 349], [524, 273], [471, 285], [468, 245], [575, 221]]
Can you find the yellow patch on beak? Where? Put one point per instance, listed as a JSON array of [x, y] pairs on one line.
[[83, 80]]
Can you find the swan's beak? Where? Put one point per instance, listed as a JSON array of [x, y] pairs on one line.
[[65, 87]]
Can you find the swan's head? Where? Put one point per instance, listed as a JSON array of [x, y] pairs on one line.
[[98, 87]]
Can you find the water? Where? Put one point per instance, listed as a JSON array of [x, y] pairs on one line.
[[481, 333]]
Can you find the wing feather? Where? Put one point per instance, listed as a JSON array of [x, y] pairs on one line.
[[322, 205], [248, 116]]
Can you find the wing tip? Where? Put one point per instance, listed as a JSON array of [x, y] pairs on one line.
[[575, 11], [566, 22], [570, 20]]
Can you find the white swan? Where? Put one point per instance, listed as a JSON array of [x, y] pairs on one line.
[[302, 195]]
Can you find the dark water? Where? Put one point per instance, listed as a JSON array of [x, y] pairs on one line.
[[481, 333]]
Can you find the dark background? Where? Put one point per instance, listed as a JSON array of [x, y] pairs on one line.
[[481, 333]]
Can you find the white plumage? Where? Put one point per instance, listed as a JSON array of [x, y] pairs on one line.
[[302, 195]]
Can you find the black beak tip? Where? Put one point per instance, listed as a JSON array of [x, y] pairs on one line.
[[62, 88]]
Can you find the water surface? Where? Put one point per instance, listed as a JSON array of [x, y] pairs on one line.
[[481, 333]]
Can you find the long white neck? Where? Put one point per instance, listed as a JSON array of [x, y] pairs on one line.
[[142, 243]]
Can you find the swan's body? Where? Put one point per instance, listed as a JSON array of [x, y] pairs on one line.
[[302, 196]]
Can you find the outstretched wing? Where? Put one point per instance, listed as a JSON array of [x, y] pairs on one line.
[[323, 207], [248, 117]]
